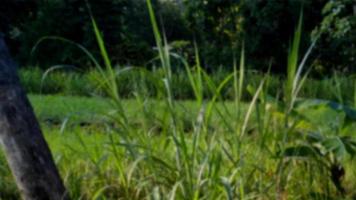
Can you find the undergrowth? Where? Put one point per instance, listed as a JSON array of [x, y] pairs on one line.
[[275, 145]]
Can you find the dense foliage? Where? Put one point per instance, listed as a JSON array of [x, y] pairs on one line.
[[165, 133], [219, 27], [67, 82], [338, 36]]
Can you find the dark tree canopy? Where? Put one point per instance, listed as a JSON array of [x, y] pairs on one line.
[[219, 27]]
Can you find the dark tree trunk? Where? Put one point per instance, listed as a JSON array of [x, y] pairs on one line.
[[26, 150]]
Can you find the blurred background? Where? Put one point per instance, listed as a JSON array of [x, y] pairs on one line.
[[218, 27]]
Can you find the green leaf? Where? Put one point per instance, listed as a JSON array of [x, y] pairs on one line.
[[314, 137], [336, 146], [293, 60], [350, 145], [349, 112], [300, 151]]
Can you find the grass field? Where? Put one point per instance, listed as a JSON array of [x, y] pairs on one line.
[[196, 135], [71, 82], [153, 157]]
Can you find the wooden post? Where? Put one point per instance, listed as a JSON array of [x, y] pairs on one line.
[[26, 150]]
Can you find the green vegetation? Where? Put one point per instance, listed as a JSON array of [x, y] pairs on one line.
[[77, 83], [218, 27], [100, 160], [175, 129]]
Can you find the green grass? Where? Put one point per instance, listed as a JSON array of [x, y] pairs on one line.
[[78, 109], [71, 110], [87, 84], [101, 160], [241, 135]]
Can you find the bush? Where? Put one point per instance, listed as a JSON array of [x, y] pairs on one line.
[[150, 84]]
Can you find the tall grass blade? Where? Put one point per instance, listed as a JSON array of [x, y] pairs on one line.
[[293, 61], [161, 49], [250, 109], [106, 59]]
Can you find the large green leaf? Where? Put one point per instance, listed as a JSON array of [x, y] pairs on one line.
[[349, 112], [336, 146], [350, 145], [314, 137]]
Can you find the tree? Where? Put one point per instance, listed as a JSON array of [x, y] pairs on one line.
[[269, 27], [337, 31], [217, 29], [124, 25], [26, 150], [14, 13], [265, 27]]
